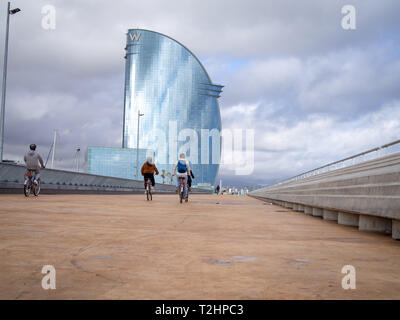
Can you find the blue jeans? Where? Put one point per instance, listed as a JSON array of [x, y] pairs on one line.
[[185, 189], [36, 173]]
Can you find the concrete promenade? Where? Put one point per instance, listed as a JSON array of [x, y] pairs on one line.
[[123, 247]]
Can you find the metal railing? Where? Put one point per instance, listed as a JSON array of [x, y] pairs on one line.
[[13, 174], [381, 151]]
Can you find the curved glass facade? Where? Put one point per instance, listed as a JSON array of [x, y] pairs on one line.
[[166, 83]]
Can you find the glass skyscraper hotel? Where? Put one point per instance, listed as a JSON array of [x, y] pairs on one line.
[[168, 85]]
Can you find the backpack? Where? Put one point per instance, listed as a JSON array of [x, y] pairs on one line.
[[182, 166]]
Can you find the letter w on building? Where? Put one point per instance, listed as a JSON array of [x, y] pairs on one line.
[[135, 36]]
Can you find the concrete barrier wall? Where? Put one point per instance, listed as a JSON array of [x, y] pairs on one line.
[[366, 194], [60, 181]]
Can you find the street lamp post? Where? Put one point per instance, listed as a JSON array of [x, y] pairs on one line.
[[78, 149], [3, 87], [137, 145]]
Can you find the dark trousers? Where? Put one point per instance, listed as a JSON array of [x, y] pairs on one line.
[[189, 181], [150, 176]]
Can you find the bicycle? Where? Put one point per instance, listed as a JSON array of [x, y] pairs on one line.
[[29, 184], [182, 190], [148, 190]]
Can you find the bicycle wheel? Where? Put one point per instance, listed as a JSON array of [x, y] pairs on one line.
[[27, 190], [180, 195], [36, 189]]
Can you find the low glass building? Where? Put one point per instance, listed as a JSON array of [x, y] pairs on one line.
[[115, 162], [169, 87]]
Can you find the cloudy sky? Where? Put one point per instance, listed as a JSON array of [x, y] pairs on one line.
[[312, 91]]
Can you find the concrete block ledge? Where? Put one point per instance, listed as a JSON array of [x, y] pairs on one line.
[[317, 212], [364, 195], [308, 210], [396, 229], [376, 224], [329, 215], [348, 219]]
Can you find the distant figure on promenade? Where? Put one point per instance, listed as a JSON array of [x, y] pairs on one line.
[[190, 177], [148, 170], [217, 189], [32, 160]]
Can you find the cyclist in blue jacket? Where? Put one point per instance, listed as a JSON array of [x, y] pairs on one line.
[[182, 166]]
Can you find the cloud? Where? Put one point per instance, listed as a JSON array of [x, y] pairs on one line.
[[312, 91], [283, 150]]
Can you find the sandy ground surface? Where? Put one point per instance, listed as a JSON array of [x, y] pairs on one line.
[[123, 247]]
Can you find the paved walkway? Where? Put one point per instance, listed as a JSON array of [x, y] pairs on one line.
[[123, 247]]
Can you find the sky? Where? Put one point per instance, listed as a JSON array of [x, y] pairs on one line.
[[312, 91]]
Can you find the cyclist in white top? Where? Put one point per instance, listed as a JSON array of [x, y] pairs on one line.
[[182, 166]]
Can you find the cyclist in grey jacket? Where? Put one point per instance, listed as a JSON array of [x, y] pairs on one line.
[[32, 160]]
